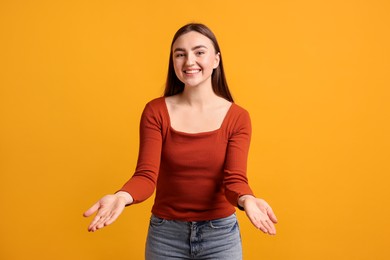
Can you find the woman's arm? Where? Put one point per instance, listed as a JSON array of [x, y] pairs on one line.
[[142, 183], [237, 189], [235, 168]]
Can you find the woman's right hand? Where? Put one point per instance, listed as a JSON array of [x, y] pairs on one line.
[[108, 210]]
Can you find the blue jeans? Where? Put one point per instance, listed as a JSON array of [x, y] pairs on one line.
[[213, 239]]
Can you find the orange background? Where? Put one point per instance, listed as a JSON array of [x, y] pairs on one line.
[[314, 75]]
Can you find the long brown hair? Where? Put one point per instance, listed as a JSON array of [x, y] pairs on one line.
[[174, 86]]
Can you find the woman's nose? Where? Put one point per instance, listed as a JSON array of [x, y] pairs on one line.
[[190, 60]]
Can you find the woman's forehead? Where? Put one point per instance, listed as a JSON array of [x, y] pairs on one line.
[[192, 39]]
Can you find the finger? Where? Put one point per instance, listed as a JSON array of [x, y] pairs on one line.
[[92, 210], [113, 217], [263, 228], [272, 215], [92, 226], [269, 226], [104, 220], [100, 225], [257, 223], [101, 221], [95, 224]]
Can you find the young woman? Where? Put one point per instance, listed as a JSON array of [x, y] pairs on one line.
[[194, 143]]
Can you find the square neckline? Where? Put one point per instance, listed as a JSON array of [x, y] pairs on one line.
[[196, 133]]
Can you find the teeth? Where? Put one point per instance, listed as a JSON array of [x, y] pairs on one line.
[[192, 71]]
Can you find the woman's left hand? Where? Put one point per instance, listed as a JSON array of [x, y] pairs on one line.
[[259, 213]]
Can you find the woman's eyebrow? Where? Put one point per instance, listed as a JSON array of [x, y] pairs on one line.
[[198, 47], [194, 48]]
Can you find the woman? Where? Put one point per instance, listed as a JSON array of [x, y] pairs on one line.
[[194, 143]]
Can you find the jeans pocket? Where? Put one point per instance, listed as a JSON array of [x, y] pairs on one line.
[[221, 223], [156, 221]]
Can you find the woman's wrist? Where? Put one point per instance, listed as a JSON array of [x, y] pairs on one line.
[[125, 196], [242, 199]]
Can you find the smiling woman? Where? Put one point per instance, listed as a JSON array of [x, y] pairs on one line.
[[194, 145], [194, 59], [219, 84]]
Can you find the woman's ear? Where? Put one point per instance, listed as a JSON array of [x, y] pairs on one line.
[[217, 59]]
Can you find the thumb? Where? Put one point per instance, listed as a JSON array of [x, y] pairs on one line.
[[271, 215], [92, 210]]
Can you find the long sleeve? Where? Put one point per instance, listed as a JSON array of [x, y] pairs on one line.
[[235, 179], [142, 184]]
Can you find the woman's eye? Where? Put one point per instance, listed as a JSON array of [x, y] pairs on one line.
[[200, 53], [178, 55]]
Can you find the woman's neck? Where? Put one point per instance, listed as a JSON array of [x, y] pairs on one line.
[[198, 96]]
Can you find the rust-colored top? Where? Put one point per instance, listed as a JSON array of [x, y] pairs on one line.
[[198, 176]]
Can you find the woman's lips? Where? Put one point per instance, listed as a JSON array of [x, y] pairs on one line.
[[192, 71]]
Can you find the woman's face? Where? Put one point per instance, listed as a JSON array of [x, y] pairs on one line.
[[194, 59]]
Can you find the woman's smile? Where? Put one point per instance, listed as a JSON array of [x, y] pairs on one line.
[[192, 71]]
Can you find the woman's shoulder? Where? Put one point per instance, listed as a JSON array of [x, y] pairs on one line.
[[156, 101], [155, 105], [155, 111], [238, 110]]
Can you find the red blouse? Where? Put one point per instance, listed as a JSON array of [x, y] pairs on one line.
[[195, 175]]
